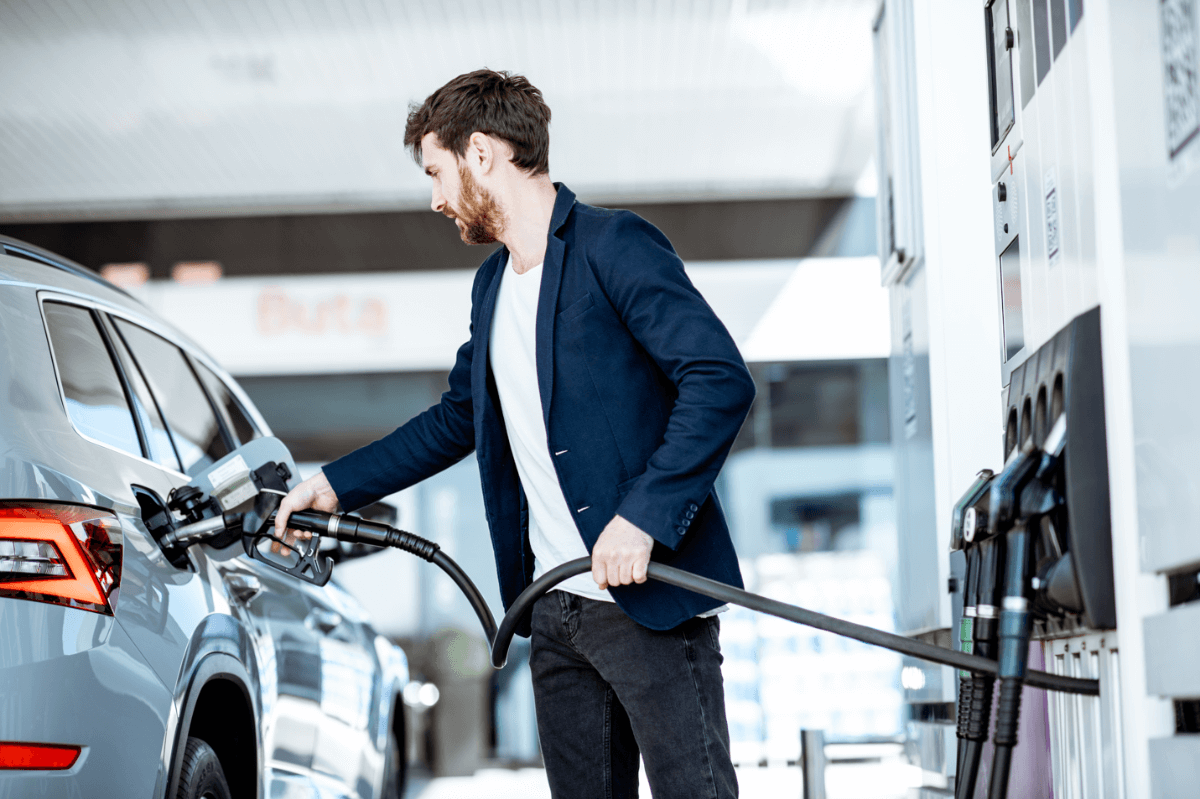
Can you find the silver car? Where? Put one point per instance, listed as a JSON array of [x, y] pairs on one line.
[[125, 672]]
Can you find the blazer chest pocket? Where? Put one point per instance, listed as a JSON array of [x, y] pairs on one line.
[[576, 308]]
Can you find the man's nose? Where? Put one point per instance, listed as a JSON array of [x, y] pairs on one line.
[[438, 201]]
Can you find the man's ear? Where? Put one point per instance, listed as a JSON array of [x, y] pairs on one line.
[[481, 151]]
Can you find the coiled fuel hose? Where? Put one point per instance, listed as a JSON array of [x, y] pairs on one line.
[[359, 531]]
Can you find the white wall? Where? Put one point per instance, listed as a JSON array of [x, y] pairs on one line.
[[964, 326]]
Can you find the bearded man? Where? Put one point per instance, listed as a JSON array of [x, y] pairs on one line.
[[601, 396]]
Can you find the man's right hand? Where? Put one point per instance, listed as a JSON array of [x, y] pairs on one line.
[[315, 492]]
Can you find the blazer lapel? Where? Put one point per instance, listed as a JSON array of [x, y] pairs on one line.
[[483, 332], [552, 269]]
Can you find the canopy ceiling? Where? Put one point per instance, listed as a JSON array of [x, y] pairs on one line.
[[143, 108]]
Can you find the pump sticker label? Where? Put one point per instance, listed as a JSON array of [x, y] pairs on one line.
[[1053, 237], [1181, 74]]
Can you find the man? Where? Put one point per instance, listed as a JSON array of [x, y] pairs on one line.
[[601, 396]]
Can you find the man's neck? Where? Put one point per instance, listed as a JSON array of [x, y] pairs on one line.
[[527, 211]]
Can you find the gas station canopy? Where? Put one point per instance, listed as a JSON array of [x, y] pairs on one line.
[[152, 108]]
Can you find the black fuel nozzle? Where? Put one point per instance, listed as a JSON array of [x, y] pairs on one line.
[[303, 560], [988, 521], [300, 560], [968, 527], [963, 522], [964, 528], [1006, 489], [985, 560], [1031, 495], [967, 531], [962, 537]]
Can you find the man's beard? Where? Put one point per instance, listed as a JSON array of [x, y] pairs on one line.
[[482, 219]]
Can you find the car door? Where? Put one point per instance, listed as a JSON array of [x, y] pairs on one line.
[[323, 656], [292, 699], [206, 421], [160, 604], [350, 682]]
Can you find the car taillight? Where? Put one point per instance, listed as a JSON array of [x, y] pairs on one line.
[[66, 554], [14, 755]]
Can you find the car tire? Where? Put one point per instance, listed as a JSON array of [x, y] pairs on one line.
[[201, 776], [395, 767]]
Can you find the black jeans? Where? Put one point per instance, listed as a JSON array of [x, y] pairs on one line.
[[608, 689]]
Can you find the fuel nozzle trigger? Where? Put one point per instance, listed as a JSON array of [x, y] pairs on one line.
[[258, 527]]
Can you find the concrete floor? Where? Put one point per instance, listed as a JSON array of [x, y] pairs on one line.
[[889, 778]]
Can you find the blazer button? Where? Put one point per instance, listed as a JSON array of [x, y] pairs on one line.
[[691, 514], [694, 507], [681, 530]]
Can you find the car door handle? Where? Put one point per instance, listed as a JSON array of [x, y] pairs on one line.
[[243, 587], [323, 620]]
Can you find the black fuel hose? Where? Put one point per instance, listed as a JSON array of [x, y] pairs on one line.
[[460, 578], [727, 593], [360, 531]]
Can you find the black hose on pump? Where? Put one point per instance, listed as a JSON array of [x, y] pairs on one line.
[[985, 632], [969, 533], [966, 680], [737, 596], [352, 530]]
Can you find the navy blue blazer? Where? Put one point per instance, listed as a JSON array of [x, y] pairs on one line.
[[643, 391]]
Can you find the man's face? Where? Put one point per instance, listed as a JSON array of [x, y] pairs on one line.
[[459, 196]]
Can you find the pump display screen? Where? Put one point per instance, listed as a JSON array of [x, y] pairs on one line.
[[1000, 70], [1010, 299]]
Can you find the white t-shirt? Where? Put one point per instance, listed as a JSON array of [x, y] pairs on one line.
[[552, 531]]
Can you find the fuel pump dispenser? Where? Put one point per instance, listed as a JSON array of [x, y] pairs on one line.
[[1037, 540], [1094, 193]]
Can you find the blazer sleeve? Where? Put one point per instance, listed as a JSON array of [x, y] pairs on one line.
[[645, 280], [425, 445]]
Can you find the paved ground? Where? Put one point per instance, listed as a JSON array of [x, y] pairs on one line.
[[886, 779]]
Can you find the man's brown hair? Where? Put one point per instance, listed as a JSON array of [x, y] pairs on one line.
[[499, 104]]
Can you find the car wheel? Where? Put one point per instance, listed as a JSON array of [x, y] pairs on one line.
[[395, 769], [201, 776]]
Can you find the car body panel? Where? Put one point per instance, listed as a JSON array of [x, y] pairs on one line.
[[49, 699]]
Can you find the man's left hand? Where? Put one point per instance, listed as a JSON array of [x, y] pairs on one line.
[[621, 554]]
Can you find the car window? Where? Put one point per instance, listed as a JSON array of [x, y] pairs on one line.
[[235, 417], [162, 451], [185, 407], [91, 389]]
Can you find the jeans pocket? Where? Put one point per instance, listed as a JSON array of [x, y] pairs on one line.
[[714, 633]]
